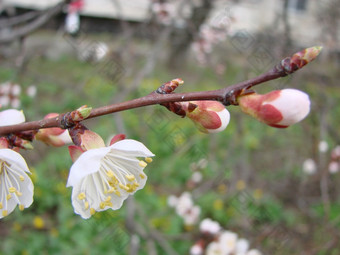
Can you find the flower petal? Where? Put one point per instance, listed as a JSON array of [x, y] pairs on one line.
[[14, 158], [132, 146], [87, 163], [11, 117]]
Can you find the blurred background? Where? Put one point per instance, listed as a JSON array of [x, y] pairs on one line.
[[278, 189]]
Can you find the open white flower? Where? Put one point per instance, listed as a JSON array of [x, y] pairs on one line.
[[16, 188], [104, 177]]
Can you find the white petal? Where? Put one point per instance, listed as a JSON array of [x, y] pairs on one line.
[[14, 176], [88, 163], [242, 246], [293, 104], [132, 146], [11, 117], [14, 158], [65, 137], [225, 118]]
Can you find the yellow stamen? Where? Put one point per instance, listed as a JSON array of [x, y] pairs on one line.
[[109, 204], [81, 196], [142, 163], [149, 160], [110, 191], [108, 199], [12, 189], [18, 193], [4, 213], [142, 176], [1, 205], [110, 173], [21, 207], [123, 187], [21, 178], [86, 205], [8, 196], [92, 211], [130, 177], [117, 193], [102, 205]]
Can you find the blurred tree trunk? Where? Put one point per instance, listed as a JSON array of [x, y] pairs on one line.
[[181, 38]]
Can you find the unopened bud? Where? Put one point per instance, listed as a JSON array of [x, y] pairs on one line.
[[300, 59], [209, 116], [53, 136], [81, 113], [279, 108]]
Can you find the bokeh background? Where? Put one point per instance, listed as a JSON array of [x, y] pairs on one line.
[[273, 187]]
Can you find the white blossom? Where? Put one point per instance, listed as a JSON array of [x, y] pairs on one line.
[[228, 241], [196, 250], [333, 167], [254, 252], [172, 201], [242, 246], [210, 226], [16, 188], [309, 166], [323, 146], [103, 178]]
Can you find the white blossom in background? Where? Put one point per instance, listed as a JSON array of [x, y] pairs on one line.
[[172, 201], [214, 248], [31, 91], [333, 167], [220, 242], [191, 216], [184, 203], [227, 241], [242, 246], [210, 226], [196, 250], [336, 153], [102, 178], [16, 188], [185, 208], [9, 95], [196, 177], [254, 252], [309, 166], [323, 146]]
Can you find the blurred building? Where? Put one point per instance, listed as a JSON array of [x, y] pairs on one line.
[[307, 19]]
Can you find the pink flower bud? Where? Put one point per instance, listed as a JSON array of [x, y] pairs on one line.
[[53, 136], [209, 116], [279, 108]]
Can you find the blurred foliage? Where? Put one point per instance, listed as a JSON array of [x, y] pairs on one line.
[[253, 183]]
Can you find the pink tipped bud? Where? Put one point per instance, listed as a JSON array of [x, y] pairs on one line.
[[209, 116], [53, 136], [279, 108]]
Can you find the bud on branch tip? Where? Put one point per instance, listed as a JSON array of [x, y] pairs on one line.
[[300, 59]]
